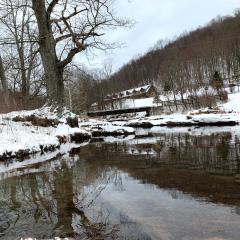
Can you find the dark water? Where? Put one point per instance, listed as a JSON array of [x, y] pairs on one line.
[[176, 185]]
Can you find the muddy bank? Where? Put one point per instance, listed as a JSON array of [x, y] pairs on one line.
[[182, 124], [24, 153]]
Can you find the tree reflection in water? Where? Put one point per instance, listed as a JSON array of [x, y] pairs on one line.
[[46, 205], [62, 197]]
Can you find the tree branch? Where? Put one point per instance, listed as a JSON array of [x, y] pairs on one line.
[[78, 35], [56, 20], [71, 55], [51, 6]]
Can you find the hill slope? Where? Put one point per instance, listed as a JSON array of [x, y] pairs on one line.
[[188, 62]]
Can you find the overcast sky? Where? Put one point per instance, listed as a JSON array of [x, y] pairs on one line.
[[155, 20]]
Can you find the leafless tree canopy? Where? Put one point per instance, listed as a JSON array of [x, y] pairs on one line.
[[188, 62], [56, 30], [78, 25]]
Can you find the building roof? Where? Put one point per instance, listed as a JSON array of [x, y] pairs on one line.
[[128, 93]]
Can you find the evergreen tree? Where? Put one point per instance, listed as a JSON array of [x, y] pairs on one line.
[[217, 81]]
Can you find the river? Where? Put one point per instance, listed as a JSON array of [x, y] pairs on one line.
[[168, 184]]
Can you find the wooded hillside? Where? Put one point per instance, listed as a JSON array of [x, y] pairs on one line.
[[188, 62]]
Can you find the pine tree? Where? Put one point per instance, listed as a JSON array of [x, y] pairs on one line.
[[217, 81]]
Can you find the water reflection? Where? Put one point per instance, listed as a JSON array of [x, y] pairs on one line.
[[172, 185]]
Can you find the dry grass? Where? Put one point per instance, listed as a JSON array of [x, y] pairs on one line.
[[18, 102]]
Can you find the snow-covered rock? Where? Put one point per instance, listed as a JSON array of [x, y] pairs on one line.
[[104, 128]]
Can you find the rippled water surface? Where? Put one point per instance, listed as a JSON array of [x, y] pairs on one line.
[[169, 184]]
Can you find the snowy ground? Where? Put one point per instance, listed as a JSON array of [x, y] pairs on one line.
[[224, 114], [43, 112], [20, 139], [185, 120], [233, 103]]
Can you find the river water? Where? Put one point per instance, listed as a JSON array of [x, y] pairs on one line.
[[169, 184]]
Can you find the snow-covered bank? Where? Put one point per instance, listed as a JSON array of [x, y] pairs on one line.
[[44, 112], [175, 120], [233, 103], [227, 114], [18, 139], [28, 132]]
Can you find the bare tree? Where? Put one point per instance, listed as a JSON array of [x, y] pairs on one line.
[[188, 62], [4, 82], [66, 28], [21, 49]]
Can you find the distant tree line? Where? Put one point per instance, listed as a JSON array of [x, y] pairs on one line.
[[207, 56]]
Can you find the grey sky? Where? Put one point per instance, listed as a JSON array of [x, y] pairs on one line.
[[155, 20]]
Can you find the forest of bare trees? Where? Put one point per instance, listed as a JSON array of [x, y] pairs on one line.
[[187, 63], [39, 40]]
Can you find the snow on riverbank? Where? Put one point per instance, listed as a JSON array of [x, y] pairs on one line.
[[18, 136], [43, 112], [21, 139], [104, 128], [233, 103], [28, 132], [175, 120], [18, 139], [227, 114]]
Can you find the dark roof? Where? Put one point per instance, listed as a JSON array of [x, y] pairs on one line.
[[129, 92]]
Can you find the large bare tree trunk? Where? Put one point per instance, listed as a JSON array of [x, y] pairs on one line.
[[79, 25], [53, 70], [4, 82]]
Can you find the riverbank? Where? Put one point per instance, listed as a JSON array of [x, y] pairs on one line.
[[185, 120], [226, 114], [24, 133], [20, 136], [29, 132]]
